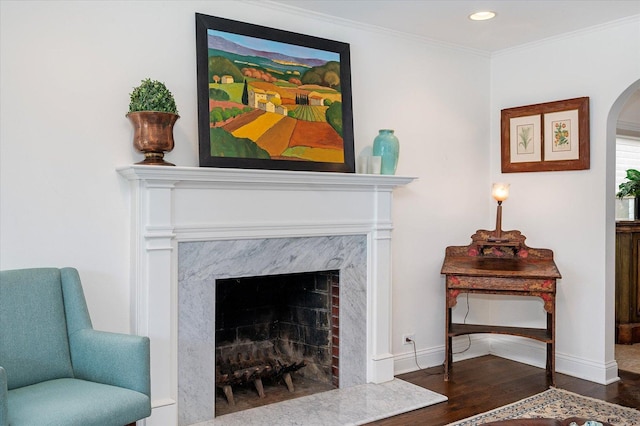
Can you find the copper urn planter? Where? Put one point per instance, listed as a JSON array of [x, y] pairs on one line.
[[153, 135]]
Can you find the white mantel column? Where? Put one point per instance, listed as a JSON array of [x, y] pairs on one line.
[[154, 292], [380, 369]]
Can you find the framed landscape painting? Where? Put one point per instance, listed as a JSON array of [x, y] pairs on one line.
[[272, 99]]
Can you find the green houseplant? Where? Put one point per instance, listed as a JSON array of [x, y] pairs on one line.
[[153, 112], [631, 188]]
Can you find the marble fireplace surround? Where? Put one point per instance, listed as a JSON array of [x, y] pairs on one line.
[[174, 207], [202, 262]]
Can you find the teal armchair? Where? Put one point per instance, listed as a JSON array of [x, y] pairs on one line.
[[55, 369]]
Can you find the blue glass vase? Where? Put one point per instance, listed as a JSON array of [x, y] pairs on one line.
[[387, 146]]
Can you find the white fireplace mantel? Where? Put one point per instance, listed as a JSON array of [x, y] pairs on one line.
[[170, 205], [267, 177]]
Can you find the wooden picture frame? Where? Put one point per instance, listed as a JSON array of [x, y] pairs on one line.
[[272, 99], [551, 136]]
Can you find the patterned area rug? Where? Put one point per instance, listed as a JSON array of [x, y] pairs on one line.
[[558, 404]]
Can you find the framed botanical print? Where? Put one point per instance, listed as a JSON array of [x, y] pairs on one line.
[[551, 136]]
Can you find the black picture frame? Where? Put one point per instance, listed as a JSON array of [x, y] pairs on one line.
[[273, 109]]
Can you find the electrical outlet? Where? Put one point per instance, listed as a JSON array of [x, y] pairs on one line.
[[408, 338]]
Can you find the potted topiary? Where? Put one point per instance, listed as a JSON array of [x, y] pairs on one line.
[[153, 112], [631, 189]]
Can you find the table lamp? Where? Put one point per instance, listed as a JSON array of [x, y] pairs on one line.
[[500, 192]]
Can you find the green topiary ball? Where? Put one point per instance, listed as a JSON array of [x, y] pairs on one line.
[[152, 95]]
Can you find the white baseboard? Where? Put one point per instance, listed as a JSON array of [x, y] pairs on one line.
[[519, 349], [534, 353], [586, 369], [432, 357]]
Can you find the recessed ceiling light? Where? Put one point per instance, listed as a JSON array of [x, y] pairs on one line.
[[482, 16]]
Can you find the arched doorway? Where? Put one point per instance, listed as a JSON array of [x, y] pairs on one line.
[[624, 121]]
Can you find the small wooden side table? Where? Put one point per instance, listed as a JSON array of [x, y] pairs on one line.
[[501, 266]]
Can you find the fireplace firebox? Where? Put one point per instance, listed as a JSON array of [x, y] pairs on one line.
[[276, 331]]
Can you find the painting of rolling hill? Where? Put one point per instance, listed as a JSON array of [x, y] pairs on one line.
[[277, 100]]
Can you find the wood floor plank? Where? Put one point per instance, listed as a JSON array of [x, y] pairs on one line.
[[484, 383]]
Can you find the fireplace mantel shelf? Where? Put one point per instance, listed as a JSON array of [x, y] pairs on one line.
[[253, 177]]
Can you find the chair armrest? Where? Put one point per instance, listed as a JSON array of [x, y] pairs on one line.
[[4, 396], [112, 358]]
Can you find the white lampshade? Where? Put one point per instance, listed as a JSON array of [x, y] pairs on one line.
[[500, 191]]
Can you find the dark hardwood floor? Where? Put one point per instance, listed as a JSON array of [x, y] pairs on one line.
[[481, 384]]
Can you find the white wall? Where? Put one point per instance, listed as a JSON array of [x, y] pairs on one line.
[[67, 69], [571, 212]]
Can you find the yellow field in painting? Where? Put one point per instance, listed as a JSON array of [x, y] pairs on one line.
[[276, 139], [325, 155], [257, 127]]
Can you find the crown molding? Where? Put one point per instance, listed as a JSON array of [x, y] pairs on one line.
[[571, 34]]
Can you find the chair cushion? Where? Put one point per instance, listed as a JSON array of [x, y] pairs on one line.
[[33, 333], [72, 402]]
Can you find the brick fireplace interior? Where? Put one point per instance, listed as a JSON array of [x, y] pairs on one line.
[[266, 326]]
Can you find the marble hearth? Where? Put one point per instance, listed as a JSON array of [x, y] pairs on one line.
[[191, 225]]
